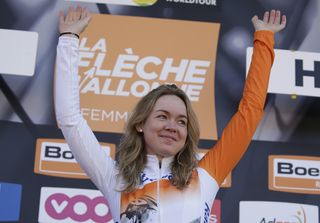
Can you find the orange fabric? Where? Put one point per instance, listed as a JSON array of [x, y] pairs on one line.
[[235, 139]]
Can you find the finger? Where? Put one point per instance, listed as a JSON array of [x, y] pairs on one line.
[[78, 13], [254, 19], [74, 15], [87, 16], [61, 17], [278, 17], [272, 16], [283, 22], [69, 15], [266, 17], [83, 13]]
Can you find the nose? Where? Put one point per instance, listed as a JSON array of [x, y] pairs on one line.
[[171, 125]]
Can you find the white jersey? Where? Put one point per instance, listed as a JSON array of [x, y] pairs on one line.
[[156, 200]]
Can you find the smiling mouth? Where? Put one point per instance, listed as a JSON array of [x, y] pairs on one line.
[[169, 138]]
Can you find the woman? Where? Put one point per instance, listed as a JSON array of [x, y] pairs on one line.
[[157, 177]]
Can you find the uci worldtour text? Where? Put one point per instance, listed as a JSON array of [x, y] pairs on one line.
[[199, 2]]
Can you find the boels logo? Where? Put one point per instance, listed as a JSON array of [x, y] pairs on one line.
[[54, 158], [297, 174]]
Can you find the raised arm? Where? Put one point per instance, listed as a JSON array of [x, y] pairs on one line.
[[227, 152], [81, 140]]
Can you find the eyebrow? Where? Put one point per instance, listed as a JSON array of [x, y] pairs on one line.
[[165, 111]]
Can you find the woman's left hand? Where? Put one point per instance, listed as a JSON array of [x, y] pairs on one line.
[[271, 21]]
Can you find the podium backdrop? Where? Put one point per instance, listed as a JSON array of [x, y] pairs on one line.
[[130, 47]]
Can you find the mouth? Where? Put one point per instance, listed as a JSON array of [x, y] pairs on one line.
[[168, 137]]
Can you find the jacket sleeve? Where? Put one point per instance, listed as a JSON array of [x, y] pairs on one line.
[[81, 140], [235, 139]]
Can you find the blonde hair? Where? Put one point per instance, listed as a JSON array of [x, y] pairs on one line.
[[131, 155]]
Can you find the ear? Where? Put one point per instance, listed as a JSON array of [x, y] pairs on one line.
[[139, 128]]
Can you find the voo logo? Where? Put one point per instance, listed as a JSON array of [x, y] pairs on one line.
[[78, 208], [70, 205]]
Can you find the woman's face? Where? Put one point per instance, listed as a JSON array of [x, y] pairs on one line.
[[165, 130]]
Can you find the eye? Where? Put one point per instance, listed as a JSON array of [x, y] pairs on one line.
[[162, 116], [182, 122]]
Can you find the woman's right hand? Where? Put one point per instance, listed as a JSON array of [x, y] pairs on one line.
[[75, 21]]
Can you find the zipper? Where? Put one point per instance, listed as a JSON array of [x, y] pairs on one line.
[[158, 190]]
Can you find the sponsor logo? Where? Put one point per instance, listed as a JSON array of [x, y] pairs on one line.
[[144, 2], [66, 205], [122, 2], [301, 73], [122, 70], [54, 158], [297, 174], [18, 52], [195, 2], [227, 183], [215, 216], [277, 212], [153, 2], [10, 199]]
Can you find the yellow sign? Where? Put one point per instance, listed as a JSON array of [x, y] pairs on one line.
[[122, 58]]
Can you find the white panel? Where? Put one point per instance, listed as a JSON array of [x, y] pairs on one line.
[[273, 212], [283, 73], [18, 50]]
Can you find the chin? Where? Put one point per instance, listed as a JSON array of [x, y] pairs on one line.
[[168, 153]]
